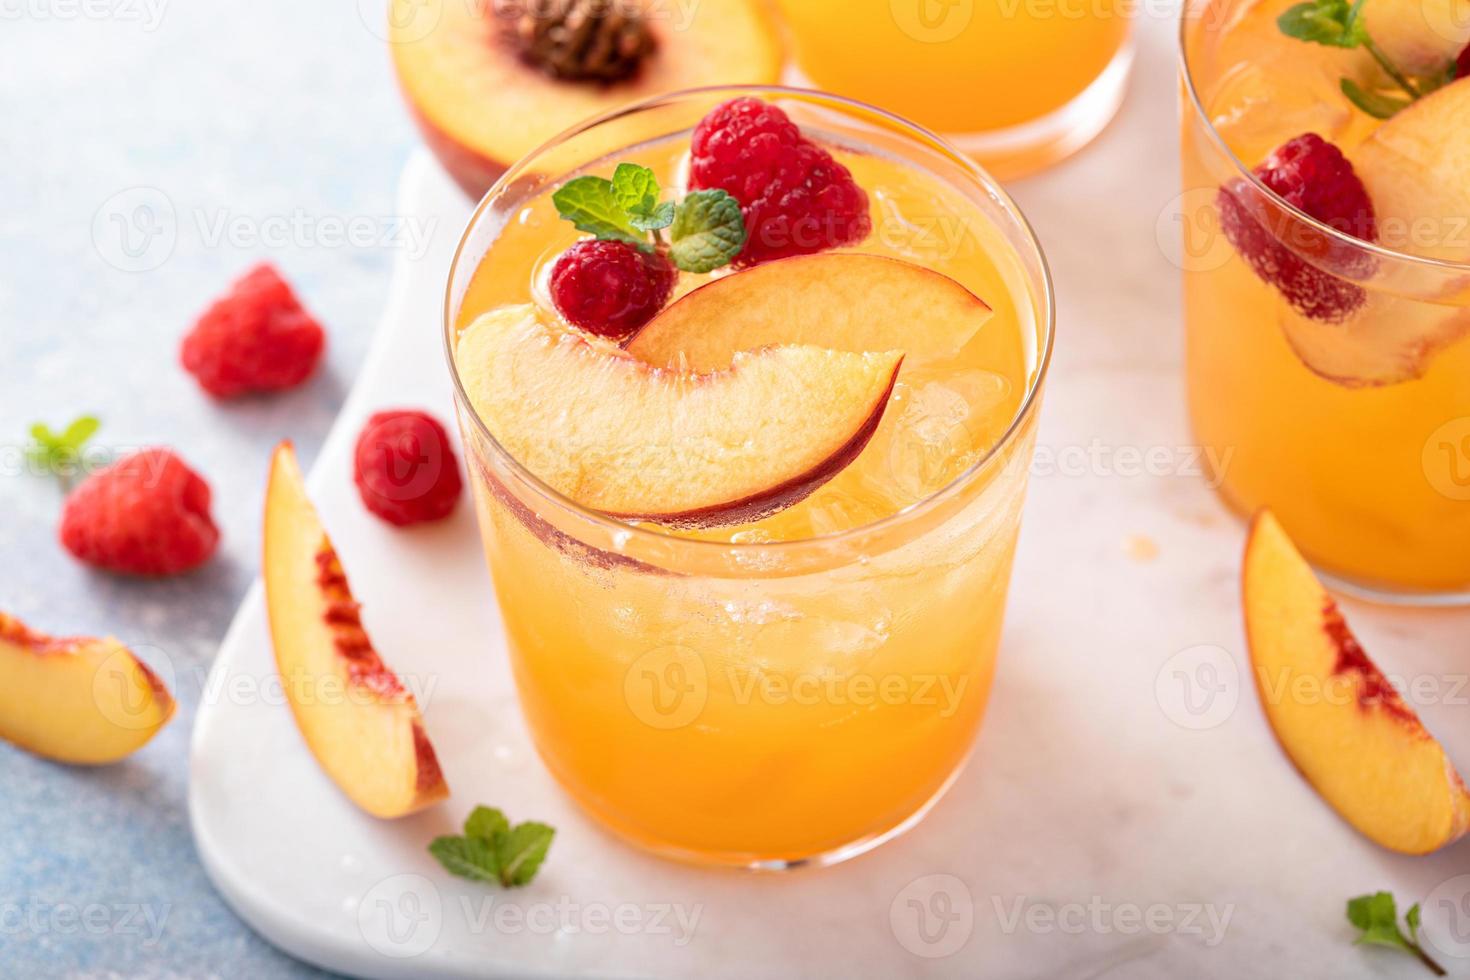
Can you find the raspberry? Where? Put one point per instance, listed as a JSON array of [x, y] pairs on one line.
[[611, 288], [405, 468], [255, 338], [796, 199], [1462, 64], [1312, 175], [146, 514]]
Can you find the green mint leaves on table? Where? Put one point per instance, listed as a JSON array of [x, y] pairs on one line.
[[1339, 24], [493, 851], [1376, 916], [59, 453], [705, 230]]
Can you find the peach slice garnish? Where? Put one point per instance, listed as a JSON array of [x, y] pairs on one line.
[[837, 300], [360, 722], [1337, 717], [481, 108], [1416, 167], [683, 449], [76, 699], [1420, 37]]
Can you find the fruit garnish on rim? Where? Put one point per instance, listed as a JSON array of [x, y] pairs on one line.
[[796, 198], [677, 448], [1414, 58], [614, 284], [1339, 719], [841, 301], [355, 714]]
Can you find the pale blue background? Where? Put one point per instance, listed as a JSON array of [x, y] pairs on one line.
[[259, 110]]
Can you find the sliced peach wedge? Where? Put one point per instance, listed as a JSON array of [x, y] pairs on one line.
[[483, 102], [76, 699], [838, 300], [1337, 717], [359, 721], [1416, 167], [676, 448]]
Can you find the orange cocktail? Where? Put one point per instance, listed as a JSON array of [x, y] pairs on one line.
[[1328, 362], [799, 681]]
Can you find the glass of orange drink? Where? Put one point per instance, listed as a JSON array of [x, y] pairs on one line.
[[752, 559], [1018, 84], [1327, 280]]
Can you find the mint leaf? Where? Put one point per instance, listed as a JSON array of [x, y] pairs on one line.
[[1376, 918], [60, 452], [636, 189], [468, 857], [1375, 105], [486, 823], [493, 851], [708, 231], [521, 852], [660, 217], [1334, 23], [591, 204]]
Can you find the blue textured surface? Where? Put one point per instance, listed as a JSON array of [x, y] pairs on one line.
[[241, 121]]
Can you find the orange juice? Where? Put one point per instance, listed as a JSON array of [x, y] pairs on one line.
[[967, 66], [797, 688]]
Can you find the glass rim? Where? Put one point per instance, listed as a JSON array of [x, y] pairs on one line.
[[1188, 14], [1028, 407]]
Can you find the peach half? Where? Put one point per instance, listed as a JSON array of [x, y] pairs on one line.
[[76, 699], [1335, 714], [481, 107], [678, 448], [359, 721], [837, 300]]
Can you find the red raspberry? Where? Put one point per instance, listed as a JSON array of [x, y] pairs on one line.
[[611, 288], [1312, 175], [1462, 64], [146, 514], [405, 468], [796, 199], [255, 338]]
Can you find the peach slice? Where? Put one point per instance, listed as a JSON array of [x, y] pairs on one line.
[[836, 300], [1416, 167], [1421, 37], [360, 722], [76, 699], [1391, 341], [681, 449], [481, 108], [1335, 714]]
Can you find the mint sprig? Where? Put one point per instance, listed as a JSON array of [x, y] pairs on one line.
[[59, 453], [706, 229], [1376, 917], [1340, 24], [494, 852]]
